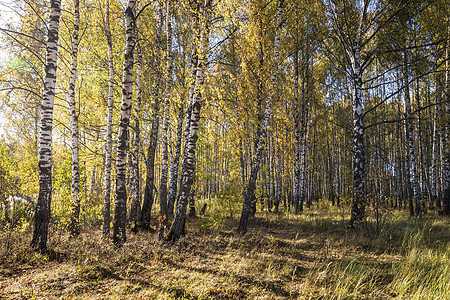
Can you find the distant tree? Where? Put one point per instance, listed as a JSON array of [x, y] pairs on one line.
[[411, 161], [8, 182]]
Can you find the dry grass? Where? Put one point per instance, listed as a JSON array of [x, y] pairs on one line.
[[312, 256]]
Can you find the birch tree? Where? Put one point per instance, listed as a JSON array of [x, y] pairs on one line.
[[197, 5], [303, 135], [119, 229], [165, 153], [410, 138], [361, 29], [42, 212], [445, 137], [352, 45], [296, 127], [75, 218], [135, 209], [175, 164], [108, 146], [151, 150], [187, 167], [251, 186]]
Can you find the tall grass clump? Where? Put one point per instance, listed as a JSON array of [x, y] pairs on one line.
[[424, 271], [407, 259], [350, 279]]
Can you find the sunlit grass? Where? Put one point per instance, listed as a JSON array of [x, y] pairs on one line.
[[283, 256]]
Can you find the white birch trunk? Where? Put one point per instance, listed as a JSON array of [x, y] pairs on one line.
[[410, 137], [119, 230], [108, 146], [296, 125], [42, 212], [195, 59], [175, 165], [187, 168], [423, 176], [75, 218], [434, 155], [434, 145], [278, 180], [303, 137], [445, 147], [358, 204], [135, 209], [164, 154]]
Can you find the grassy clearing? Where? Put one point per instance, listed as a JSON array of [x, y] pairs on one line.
[[312, 256]]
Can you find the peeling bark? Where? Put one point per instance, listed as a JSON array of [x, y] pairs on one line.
[[74, 227], [119, 228], [187, 168], [135, 209], [410, 138], [108, 146], [165, 154], [42, 212]]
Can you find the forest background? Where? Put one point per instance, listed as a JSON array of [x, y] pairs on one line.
[[289, 115]]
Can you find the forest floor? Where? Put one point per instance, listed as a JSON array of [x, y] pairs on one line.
[[283, 256]]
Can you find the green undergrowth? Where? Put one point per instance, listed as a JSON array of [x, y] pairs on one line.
[[283, 256]]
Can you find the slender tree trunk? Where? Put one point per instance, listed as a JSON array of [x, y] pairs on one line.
[[187, 167], [165, 154], [260, 115], [330, 162], [410, 137], [150, 177], [42, 212], [303, 138], [278, 179], [93, 180], [434, 145], [195, 60], [408, 175], [446, 130], [336, 157], [297, 152], [434, 155], [270, 169], [249, 194], [192, 193], [422, 152], [242, 163], [151, 150], [135, 209], [119, 228], [398, 164], [75, 217], [191, 95], [359, 201], [108, 147], [175, 165]]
